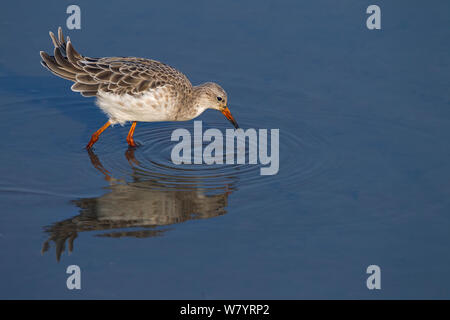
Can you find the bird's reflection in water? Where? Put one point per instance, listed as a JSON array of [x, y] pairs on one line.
[[148, 204]]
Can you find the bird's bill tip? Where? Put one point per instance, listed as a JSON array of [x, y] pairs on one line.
[[226, 112]]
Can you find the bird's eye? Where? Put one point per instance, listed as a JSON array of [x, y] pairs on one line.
[[219, 98]]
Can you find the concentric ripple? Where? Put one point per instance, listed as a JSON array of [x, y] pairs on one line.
[[302, 156], [303, 152]]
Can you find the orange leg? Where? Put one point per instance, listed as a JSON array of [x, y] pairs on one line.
[[130, 139], [96, 134]]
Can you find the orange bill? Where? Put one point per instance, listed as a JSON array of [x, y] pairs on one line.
[[226, 112]]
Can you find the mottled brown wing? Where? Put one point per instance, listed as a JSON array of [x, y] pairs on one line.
[[118, 75]]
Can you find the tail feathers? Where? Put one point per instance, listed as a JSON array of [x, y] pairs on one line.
[[65, 62]]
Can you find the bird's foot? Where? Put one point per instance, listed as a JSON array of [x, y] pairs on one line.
[[131, 143]]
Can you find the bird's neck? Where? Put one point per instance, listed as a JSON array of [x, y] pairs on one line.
[[199, 98], [199, 91], [197, 105]]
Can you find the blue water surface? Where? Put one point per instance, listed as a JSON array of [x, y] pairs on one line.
[[364, 118]]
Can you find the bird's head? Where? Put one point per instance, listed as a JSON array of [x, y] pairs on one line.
[[211, 96]]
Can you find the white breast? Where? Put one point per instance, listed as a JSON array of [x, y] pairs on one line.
[[155, 105]]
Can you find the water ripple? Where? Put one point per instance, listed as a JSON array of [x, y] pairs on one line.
[[303, 155]]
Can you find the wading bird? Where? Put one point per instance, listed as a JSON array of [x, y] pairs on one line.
[[133, 89]]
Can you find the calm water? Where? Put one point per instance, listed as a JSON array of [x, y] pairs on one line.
[[364, 174]]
